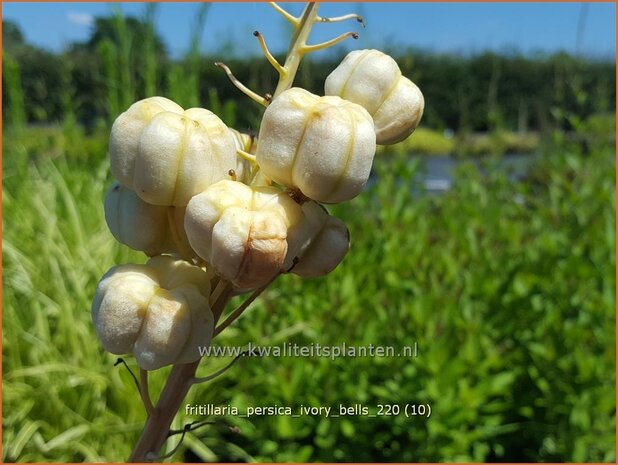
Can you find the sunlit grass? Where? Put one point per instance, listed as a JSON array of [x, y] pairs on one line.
[[508, 289]]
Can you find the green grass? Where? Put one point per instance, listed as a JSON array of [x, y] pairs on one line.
[[507, 287]]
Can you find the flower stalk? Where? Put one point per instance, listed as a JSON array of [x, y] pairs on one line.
[[238, 210], [182, 377], [303, 26]]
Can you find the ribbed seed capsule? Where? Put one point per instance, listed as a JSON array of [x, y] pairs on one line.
[[242, 231], [322, 146], [126, 134], [152, 229], [373, 79], [320, 242], [171, 154], [158, 312]]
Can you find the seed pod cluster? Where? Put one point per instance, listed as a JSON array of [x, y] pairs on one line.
[[214, 207]]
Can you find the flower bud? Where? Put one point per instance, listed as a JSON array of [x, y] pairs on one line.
[[241, 231], [322, 146], [320, 243], [373, 79], [169, 156], [158, 312]]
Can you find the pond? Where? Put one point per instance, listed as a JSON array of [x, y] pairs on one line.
[[438, 170]]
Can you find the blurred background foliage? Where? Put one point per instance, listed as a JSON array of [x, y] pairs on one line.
[[506, 282]]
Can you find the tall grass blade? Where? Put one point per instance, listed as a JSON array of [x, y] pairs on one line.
[[11, 77]]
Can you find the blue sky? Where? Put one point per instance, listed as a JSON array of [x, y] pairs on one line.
[[442, 27]]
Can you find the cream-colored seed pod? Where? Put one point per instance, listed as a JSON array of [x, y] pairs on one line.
[[167, 154], [243, 141], [179, 155], [320, 242], [241, 231], [322, 146], [152, 229], [158, 312], [126, 133], [373, 79]]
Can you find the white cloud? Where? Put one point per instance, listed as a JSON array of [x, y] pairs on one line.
[[83, 19]]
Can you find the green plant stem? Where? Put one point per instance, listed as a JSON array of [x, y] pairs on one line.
[[296, 50], [157, 427], [158, 424]]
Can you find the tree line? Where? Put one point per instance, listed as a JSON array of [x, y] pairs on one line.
[[124, 60]]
